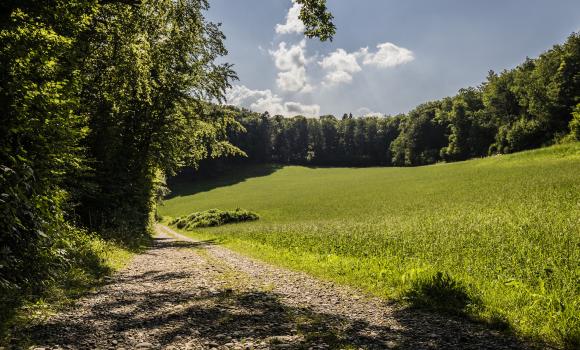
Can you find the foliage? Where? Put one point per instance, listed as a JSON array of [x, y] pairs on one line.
[[442, 293], [150, 67], [39, 141], [300, 140], [505, 228], [317, 19], [213, 217], [575, 123]]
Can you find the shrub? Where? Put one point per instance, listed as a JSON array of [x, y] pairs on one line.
[[442, 293], [213, 217]]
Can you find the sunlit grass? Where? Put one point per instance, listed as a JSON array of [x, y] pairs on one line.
[[504, 229]]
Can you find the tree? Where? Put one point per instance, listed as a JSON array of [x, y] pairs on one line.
[[297, 135], [317, 19], [149, 70], [575, 123], [469, 136], [329, 129], [347, 139], [315, 141], [422, 137], [359, 140], [40, 135]]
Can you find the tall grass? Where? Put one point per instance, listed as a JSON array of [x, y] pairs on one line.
[[502, 234]]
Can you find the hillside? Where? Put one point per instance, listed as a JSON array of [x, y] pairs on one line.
[[496, 238]]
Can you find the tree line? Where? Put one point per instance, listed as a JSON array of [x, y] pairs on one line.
[[533, 105]]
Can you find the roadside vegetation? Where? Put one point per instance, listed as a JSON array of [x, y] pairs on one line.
[[213, 217], [80, 263], [496, 238]]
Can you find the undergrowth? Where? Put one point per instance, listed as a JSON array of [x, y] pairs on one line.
[[76, 263]]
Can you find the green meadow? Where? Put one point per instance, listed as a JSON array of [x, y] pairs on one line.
[[496, 238]]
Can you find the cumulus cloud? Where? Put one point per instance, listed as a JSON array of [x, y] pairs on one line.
[[267, 101], [291, 61], [294, 80], [293, 23], [287, 58], [340, 66], [388, 55]]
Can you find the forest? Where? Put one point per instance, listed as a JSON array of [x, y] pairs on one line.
[[532, 105]]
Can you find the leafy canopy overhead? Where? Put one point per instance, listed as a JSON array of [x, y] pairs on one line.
[[317, 19]]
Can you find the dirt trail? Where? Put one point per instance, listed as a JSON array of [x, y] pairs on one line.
[[186, 294]]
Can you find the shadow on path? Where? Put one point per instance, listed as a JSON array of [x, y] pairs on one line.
[[222, 317], [161, 243]]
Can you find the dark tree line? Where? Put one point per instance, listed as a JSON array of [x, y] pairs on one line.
[[321, 141], [532, 105]]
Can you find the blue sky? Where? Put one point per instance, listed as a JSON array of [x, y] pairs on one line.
[[387, 56]]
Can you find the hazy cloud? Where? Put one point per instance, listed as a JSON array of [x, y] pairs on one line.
[[266, 100], [367, 112], [388, 55]]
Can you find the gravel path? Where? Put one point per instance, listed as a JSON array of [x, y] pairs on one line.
[[186, 294]]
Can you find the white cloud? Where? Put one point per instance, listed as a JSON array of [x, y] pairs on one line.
[[291, 61], [340, 66], [288, 58], [367, 112], [293, 23], [294, 80], [388, 55], [266, 100]]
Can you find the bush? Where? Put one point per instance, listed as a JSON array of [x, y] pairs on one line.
[[442, 293], [213, 217]]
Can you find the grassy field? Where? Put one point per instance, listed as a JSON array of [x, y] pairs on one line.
[[495, 238]]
